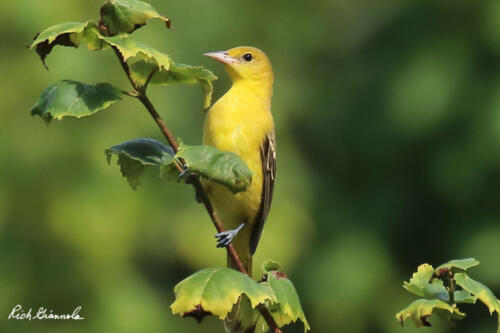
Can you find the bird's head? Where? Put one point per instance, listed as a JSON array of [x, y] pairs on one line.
[[245, 62]]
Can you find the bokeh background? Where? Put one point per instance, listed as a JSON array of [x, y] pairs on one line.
[[388, 125]]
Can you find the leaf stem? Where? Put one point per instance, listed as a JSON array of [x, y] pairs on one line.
[[451, 288], [129, 93], [143, 98]]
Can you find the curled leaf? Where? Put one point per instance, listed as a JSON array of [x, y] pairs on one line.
[[421, 309], [66, 34], [422, 284], [126, 16], [479, 290], [223, 167]]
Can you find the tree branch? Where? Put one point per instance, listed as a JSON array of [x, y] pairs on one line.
[[150, 76], [125, 67], [268, 318], [143, 98]]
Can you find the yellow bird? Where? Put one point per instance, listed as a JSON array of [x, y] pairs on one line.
[[241, 122]]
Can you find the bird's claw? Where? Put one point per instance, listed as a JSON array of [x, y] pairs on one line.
[[226, 237], [186, 172], [187, 175]]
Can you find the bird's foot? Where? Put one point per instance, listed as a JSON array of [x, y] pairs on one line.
[[185, 174], [226, 237]]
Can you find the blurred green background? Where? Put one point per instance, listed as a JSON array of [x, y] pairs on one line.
[[388, 126]]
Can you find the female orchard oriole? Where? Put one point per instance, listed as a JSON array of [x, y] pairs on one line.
[[241, 122]]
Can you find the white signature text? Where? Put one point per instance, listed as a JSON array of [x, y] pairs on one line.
[[18, 313]]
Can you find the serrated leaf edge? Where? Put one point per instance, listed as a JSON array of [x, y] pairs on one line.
[[223, 316]]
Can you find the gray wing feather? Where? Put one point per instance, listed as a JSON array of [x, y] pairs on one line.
[[268, 157]]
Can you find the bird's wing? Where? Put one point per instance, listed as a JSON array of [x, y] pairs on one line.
[[268, 157]]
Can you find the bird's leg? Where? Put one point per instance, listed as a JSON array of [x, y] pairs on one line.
[[226, 237]]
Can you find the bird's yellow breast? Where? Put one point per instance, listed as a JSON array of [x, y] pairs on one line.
[[239, 122]]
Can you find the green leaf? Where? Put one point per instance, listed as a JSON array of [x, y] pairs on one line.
[[143, 59], [287, 307], [76, 99], [178, 73], [125, 16], [169, 172], [422, 284], [208, 89], [131, 48], [270, 265], [463, 296], [478, 289], [134, 156], [242, 317], [74, 33], [214, 291], [131, 169], [457, 265], [420, 309], [419, 280], [66, 34], [223, 167]]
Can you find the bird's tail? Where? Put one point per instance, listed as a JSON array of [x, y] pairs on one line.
[[246, 260]]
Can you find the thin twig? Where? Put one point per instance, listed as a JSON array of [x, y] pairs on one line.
[[159, 121], [196, 182], [124, 66], [150, 76]]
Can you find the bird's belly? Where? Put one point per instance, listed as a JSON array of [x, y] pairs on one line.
[[241, 207], [233, 209]]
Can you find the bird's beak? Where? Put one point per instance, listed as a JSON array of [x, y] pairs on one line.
[[221, 56]]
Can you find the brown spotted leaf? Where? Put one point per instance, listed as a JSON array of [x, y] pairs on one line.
[[215, 291], [66, 34], [456, 266]]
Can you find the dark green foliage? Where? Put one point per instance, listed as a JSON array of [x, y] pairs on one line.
[[75, 99], [136, 155]]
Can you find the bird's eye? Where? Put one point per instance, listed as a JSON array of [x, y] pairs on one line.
[[247, 57]]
